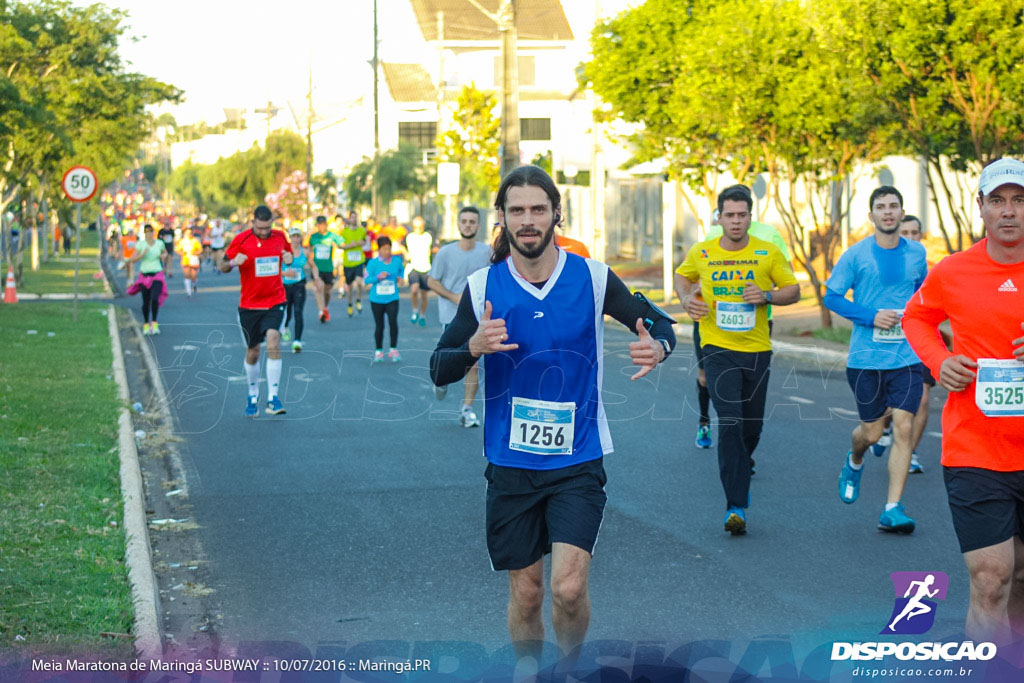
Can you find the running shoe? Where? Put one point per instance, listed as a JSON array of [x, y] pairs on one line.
[[915, 465], [296, 346], [884, 442], [154, 328], [145, 329], [394, 356], [440, 392], [327, 315], [274, 406], [414, 318], [849, 481], [704, 436], [467, 418], [359, 305], [322, 313], [350, 310], [896, 520], [423, 321], [286, 335], [252, 407], [735, 521], [378, 356]]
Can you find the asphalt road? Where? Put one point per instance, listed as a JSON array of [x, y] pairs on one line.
[[358, 516]]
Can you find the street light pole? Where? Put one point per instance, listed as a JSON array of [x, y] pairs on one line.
[[509, 87], [376, 119]]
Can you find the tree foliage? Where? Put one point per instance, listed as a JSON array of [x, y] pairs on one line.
[[66, 97], [401, 175], [813, 94], [242, 180], [472, 142]]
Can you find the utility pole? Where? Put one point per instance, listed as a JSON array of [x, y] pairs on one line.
[[270, 111], [376, 120], [509, 87], [309, 139]]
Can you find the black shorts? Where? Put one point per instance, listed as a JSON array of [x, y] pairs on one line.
[[256, 321], [987, 506], [419, 277], [697, 350], [353, 272], [327, 277], [877, 390], [528, 510], [928, 379]]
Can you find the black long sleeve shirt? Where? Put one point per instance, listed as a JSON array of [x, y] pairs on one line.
[[452, 359]]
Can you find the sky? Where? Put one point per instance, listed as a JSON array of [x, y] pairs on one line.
[[230, 53], [239, 53]]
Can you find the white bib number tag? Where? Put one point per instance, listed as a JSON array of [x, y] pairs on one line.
[[322, 252], [193, 261], [542, 427], [386, 287], [267, 266], [735, 316], [894, 334], [999, 390], [291, 274]]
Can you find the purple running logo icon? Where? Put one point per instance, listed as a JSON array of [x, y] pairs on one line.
[[914, 609]]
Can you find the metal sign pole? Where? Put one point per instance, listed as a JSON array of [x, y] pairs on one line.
[[78, 249]]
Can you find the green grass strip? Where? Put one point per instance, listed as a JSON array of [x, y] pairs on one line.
[[57, 276], [63, 580]]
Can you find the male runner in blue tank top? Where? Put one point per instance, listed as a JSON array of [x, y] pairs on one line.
[[536, 315]]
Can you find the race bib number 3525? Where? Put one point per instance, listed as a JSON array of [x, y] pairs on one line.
[[542, 427], [999, 390]]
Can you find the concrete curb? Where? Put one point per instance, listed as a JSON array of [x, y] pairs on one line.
[[138, 556], [162, 407], [780, 348], [62, 297]]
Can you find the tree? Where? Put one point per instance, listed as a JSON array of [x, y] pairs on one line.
[[786, 94], [242, 180], [67, 97], [401, 175], [473, 142], [951, 72]]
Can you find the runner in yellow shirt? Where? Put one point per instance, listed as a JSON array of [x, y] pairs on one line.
[[190, 247], [728, 284]]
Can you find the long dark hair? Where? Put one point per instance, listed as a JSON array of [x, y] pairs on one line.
[[534, 176]]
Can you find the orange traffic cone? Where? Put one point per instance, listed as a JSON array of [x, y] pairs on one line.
[[10, 292]]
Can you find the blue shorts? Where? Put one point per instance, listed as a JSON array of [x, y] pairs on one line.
[[878, 390]]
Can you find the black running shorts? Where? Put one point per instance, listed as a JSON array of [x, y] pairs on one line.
[[353, 272], [327, 277], [987, 506], [528, 510], [419, 277], [256, 321]]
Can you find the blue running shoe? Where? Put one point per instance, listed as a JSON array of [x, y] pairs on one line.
[[704, 436], [849, 482], [884, 442], [896, 521], [915, 465], [252, 408], [735, 521], [274, 406]]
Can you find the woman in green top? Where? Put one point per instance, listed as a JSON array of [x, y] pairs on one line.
[[150, 254]]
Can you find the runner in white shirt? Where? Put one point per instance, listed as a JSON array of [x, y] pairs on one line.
[[418, 244]]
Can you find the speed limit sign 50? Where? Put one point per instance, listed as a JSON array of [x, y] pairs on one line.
[[79, 183]]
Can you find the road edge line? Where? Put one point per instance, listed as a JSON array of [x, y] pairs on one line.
[[138, 556]]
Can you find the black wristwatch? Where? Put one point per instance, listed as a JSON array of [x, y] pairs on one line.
[[768, 296], [668, 349]]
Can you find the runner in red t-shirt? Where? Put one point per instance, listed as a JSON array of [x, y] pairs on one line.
[[258, 253], [981, 292]]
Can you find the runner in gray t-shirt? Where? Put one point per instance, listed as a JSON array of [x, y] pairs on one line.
[[452, 266]]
